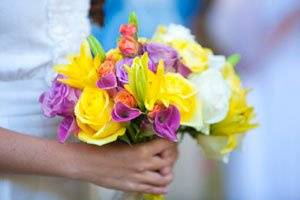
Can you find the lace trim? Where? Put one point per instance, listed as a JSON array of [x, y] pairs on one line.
[[69, 25]]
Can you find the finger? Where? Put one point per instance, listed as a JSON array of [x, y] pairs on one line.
[[165, 170], [154, 178], [152, 164], [148, 189], [156, 163], [158, 145], [169, 159], [133, 186], [169, 152]]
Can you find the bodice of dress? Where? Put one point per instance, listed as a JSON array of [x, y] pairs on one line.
[[36, 34]]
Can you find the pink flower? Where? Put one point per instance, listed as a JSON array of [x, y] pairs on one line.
[[129, 46], [128, 30]]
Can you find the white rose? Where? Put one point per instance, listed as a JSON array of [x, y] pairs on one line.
[[216, 61], [213, 94], [172, 32]]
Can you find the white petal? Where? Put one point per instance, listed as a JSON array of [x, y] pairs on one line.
[[214, 93], [176, 31], [216, 62], [197, 120], [205, 128]]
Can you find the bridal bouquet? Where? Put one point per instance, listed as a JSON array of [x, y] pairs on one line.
[[166, 86]]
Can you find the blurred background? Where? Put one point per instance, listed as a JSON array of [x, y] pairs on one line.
[[267, 35]]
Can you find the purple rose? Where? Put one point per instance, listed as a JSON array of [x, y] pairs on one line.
[[123, 113], [60, 99], [67, 127], [121, 71], [157, 51], [167, 122]]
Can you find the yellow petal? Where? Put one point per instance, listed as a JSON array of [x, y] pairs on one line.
[[83, 136], [154, 86], [153, 197], [81, 71], [180, 92], [93, 115]]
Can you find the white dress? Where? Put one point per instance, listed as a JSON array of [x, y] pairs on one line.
[[34, 35]]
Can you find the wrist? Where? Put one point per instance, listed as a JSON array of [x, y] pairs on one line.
[[76, 163], [70, 166]]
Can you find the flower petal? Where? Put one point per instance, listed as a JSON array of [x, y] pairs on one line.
[[182, 69], [212, 99], [120, 69], [108, 81], [123, 113], [67, 127], [166, 123]]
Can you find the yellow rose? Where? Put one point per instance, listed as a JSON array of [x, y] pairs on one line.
[[93, 114], [180, 92], [193, 55]]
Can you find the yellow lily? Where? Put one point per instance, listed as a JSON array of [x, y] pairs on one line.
[[81, 71], [240, 115], [171, 88]]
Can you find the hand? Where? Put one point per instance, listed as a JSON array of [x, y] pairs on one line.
[[171, 153], [144, 168]]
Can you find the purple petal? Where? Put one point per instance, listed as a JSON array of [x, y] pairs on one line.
[[60, 99], [182, 69], [108, 81], [167, 122], [120, 70], [152, 66], [67, 127], [157, 52], [123, 113]]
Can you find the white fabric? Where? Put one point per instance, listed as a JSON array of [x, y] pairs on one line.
[[20, 111], [34, 35]]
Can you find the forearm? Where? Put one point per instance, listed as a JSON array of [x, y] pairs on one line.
[[22, 154]]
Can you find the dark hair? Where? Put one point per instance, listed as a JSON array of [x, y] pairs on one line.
[[96, 11]]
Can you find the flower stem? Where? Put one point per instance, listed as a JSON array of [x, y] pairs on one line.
[[131, 134]]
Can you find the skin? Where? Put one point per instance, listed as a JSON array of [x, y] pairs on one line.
[[145, 168]]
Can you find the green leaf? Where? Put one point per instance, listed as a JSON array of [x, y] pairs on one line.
[[138, 79], [133, 20], [132, 134], [125, 138], [234, 59], [96, 47]]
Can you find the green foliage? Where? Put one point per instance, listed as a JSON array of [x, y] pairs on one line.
[[96, 47], [234, 59], [133, 20]]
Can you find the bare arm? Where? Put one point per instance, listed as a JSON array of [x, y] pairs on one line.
[[24, 154], [117, 166]]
